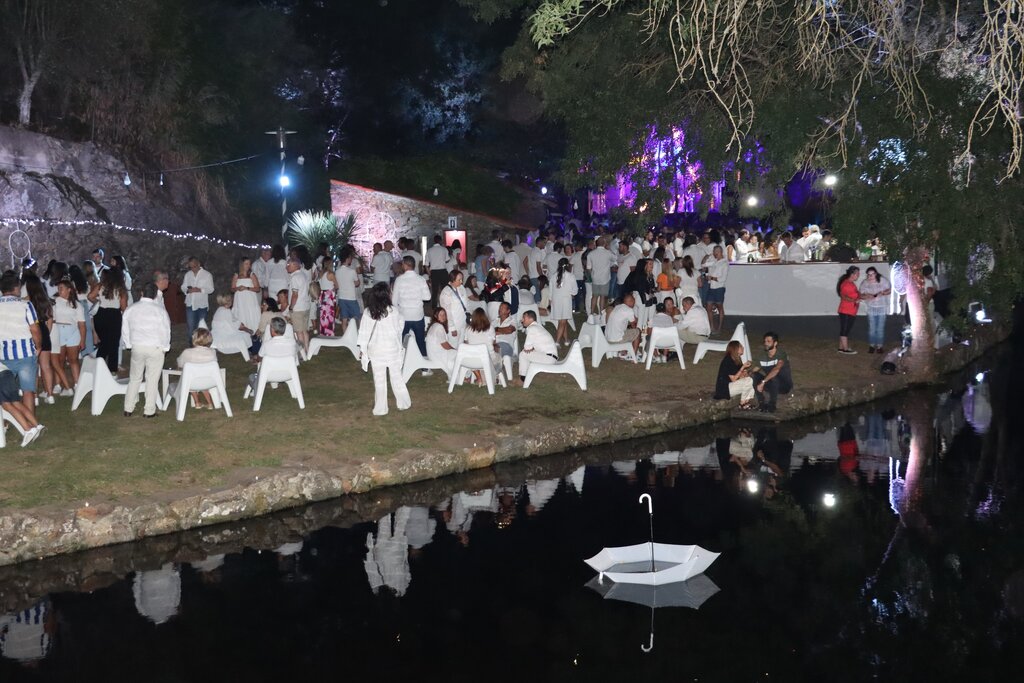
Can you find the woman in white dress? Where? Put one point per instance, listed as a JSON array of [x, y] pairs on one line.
[[564, 290], [439, 347], [227, 330], [454, 302], [246, 288], [480, 331], [689, 280], [277, 271], [380, 345]]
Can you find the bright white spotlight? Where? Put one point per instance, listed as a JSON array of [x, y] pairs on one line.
[[830, 180], [829, 500], [752, 485], [543, 189], [284, 181], [752, 201], [980, 377], [981, 316], [127, 180]]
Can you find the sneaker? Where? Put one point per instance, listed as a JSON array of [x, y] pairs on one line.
[[56, 389], [67, 393], [848, 352], [427, 373], [49, 400], [29, 436], [871, 349]]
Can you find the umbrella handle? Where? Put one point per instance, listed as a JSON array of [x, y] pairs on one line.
[[650, 504], [648, 647]]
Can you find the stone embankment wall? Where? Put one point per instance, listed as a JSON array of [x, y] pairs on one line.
[[383, 216], [61, 199]]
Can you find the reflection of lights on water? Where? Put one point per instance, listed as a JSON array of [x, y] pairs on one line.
[[752, 485], [829, 500]]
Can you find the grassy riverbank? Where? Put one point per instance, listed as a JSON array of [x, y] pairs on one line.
[[117, 460]]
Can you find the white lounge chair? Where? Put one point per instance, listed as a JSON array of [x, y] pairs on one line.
[[196, 377], [231, 344], [473, 357], [6, 416], [95, 378], [602, 347], [739, 334], [413, 360], [572, 365], [665, 338], [346, 341], [276, 369]]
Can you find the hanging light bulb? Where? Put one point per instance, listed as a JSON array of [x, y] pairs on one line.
[[301, 160], [435, 191], [575, 205], [161, 180], [127, 181]]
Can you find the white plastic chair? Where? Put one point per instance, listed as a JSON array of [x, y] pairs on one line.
[[492, 309], [346, 341], [572, 365], [4, 415], [234, 345], [413, 360], [602, 347], [528, 307], [196, 377], [276, 369], [95, 377], [474, 357], [739, 334], [586, 335], [665, 338]]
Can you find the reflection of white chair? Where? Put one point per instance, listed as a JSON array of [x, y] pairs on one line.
[[413, 360], [196, 377], [602, 347], [665, 338], [473, 357], [739, 334], [347, 341], [95, 377], [572, 365], [276, 369]]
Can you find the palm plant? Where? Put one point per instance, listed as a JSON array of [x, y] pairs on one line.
[[313, 228]]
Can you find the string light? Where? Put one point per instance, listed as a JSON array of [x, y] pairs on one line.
[[127, 179], [19, 223]]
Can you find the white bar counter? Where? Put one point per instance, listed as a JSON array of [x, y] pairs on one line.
[[790, 289]]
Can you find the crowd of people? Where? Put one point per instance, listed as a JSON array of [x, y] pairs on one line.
[[628, 283]]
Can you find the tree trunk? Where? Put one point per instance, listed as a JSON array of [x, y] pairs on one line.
[[920, 413], [921, 363], [25, 99]]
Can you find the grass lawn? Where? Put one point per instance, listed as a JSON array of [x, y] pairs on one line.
[[114, 459]]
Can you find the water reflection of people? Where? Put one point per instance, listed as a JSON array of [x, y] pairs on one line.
[[848, 452], [539, 492], [25, 636], [772, 459], [387, 557], [158, 593]]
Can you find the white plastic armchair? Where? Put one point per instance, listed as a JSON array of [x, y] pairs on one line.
[[413, 360], [665, 338], [95, 378], [474, 357], [345, 341], [276, 369], [602, 347], [572, 365], [739, 334], [196, 377]]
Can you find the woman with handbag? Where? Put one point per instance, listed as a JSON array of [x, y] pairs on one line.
[[454, 302], [380, 347]]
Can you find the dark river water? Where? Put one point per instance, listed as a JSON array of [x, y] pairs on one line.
[[881, 543]]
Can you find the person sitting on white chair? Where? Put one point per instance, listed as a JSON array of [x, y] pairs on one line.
[[538, 347], [480, 331], [380, 346], [505, 330], [621, 327], [199, 352], [280, 344], [230, 332], [695, 326], [439, 347], [661, 319]]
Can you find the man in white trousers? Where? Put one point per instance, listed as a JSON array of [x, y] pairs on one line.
[[146, 332], [538, 347]]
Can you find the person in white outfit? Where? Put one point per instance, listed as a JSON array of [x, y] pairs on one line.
[[380, 345], [146, 332], [563, 290], [538, 347], [298, 301], [276, 271], [198, 286], [453, 300], [695, 326], [383, 262], [409, 294], [439, 346]]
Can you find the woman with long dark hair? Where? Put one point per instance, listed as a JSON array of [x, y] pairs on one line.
[[439, 346], [380, 345], [36, 291], [849, 300], [117, 261], [111, 296], [561, 300], [734, 377]]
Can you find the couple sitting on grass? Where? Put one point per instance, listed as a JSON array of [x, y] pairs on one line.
[[772, 376]]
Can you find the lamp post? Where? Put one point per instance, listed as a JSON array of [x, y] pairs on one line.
[[282, 180]]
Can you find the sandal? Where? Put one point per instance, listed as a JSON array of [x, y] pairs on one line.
[[746, 406]]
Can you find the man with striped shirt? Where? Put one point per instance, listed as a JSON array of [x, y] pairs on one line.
[[19, 338]]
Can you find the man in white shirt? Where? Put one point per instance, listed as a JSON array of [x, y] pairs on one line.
[[407, 245], [382, 263], [347, 276], [298, 301], [261, 269], [627, 264], [437, 261], [279, 345], [198, 286], [599, 263], [551, 261], [146, 332], [695, 326], [810, 238], [535, 264], [505, 329], [741, 247], [408, 296], [575, 254], [496, 245], [792, 251], [718, 273], [522, 250], [621, 325], [512, 260], [538, 347]]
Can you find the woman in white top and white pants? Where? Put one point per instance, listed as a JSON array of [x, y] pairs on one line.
[[380, 345], [454, 302]]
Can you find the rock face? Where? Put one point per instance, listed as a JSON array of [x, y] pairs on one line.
[[383, 216], [62, 200]]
